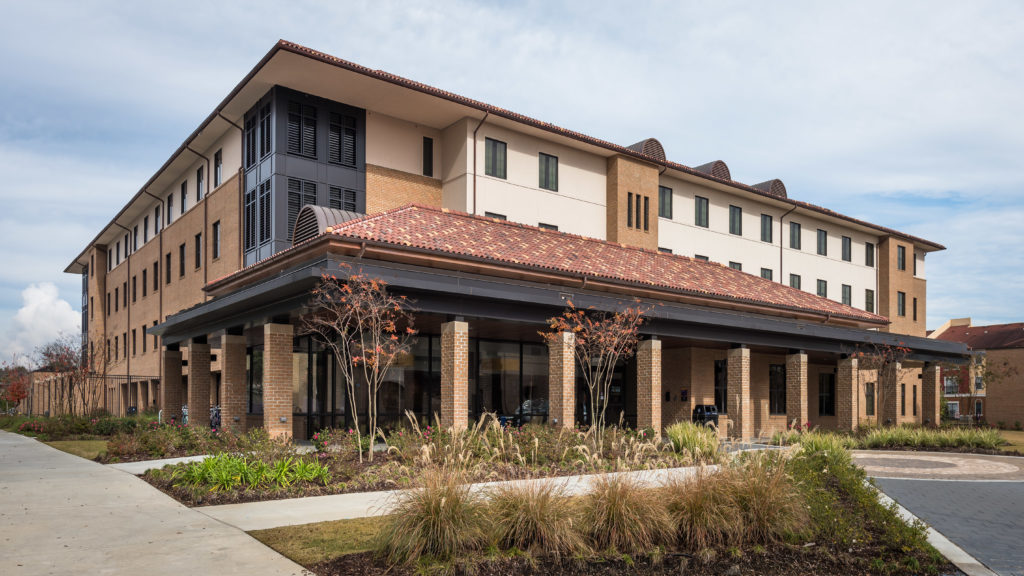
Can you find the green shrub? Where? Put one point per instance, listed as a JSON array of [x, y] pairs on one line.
[[440, 520], [536, 517], [700, 442], [620, 515]]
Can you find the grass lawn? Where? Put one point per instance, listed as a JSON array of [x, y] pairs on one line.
[[88, 449], [310, 544], [1015, 439]]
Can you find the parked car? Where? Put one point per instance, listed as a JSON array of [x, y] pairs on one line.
[[705, 414]]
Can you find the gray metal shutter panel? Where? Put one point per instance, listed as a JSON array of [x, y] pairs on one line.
[[265, 211], [294, 128]]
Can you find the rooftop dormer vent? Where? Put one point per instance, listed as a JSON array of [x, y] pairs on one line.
[[312, 221], [774, 187], [649, 147], [718, 169]]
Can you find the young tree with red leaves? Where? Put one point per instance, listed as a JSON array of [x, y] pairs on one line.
[[367, 328], [602, 340], [14, 385]]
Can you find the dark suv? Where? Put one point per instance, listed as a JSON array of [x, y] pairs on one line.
[[705, 414]]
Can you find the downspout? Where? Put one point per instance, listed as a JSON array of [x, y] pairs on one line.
[[206, 233], [782, 241], [482, 120]]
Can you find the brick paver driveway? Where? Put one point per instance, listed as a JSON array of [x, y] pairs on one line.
[[974, 500]]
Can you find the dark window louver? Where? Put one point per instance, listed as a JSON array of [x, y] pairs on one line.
[[306, 227], [250, 142], [264, 212], [301, 129], [250, 219], [300, 193], [341, 199], [341, 140], [265, 131]]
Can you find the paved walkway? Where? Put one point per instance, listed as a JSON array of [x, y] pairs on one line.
[[977, 501], [296, 511], [61, 514]]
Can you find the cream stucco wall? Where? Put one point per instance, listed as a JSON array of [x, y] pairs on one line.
[[398, 144]]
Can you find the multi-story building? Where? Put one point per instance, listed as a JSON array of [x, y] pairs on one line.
[[307, 129]]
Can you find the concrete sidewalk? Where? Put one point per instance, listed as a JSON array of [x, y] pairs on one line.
[[61, 514], [296, 511]]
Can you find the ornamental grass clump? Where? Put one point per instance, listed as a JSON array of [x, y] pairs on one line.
[[768, 501], [703, 511], [700, 442], [440, 520], [535, 517], [620, 515]]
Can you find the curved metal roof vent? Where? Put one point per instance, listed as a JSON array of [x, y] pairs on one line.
[[774, 187], [718, 169], [312, 221], [649, 147]]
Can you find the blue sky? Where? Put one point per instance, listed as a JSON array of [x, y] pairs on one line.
[[908, 114]]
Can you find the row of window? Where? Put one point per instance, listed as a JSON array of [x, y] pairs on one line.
[[776, 390], [496, 164], [302, 135], [119, 349], [502, 217], [901, 305]]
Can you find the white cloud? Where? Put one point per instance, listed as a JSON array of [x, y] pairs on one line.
[[42, 318]]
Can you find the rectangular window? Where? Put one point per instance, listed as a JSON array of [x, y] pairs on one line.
[[869, 300], [722, 386], [108, 303], [794, 235], [767, 234], [117, 347], [647, 213], [826, 394], [200, 183], [794, 281], [847, 249], [736, 266], [117, 299], [124, 294], [199, 250], [735, 220], [181, 261], [250, 142], [822, 288], [184, 196], [777, 389], [135, 289], [156, 345], [167, 268], [915, 263], [495, 215], [156, 220], [135, 238], [341, 199], [134, 342], [266, 127], [901, 304], [124, 343], [92, 307], [869, 399], [700, 211], [701, 258], [341, 142], [495, 158], [629, 210], [901, 258], [110, 260], [145, 229], [914, 309], [126, 247], [547, 226], [822, 242], [428, 156], [145, 281], [766, 273], [664, 250], [218, 168], [903, 399], [548, 172], [869, 254], [117, 253], [216, 239], [913, 399], [264, 217], [847, 294], [143, 331], [170, 205], [301, 129], [300, 193], [665, 202]]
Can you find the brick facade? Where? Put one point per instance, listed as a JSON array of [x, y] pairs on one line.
[[199, 384], [931, 391], [455, 375], [626, 175], [740, 409], [888, 408], [171, 384], [277, 379], [387, 188], [1004, 395], [846, 394], [562, 380], [796, 389], [233, 405], [648, 386]]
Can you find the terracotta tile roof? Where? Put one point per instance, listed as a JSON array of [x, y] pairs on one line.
[[987, 337], [464, 235]]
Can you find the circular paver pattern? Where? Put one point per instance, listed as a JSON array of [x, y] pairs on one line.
[[940, 465]]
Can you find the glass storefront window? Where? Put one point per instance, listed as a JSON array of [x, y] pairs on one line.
[[254, 377]]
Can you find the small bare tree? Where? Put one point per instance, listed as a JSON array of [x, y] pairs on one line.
[[602, 340], [367, 328], [77, 388]]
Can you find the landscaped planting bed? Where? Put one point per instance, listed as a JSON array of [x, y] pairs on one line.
[[805, 512], [950, 439]]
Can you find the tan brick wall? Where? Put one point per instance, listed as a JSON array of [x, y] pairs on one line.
[[797, 390], [1004, 396], [931, 391], [387, 188], [199, 384], [676, 377], [740, 407], [892, 280], [171, 392], [455, 375], [764, 422], [846, 394], [888, 386], [233, 401], [627, 175], [648, 386], [277, 379], [562, 380]]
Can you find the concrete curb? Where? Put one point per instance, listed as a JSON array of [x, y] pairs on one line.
[[955, 554], [140, 468]]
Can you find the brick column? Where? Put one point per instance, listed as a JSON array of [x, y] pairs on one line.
[[796, 389], [170, 383], [930, 393], [199, 378], [846, 394], [648, 386], [233, 385], [455, 375], [562, 380], [738, 392], [889, 394], [277, 379]]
